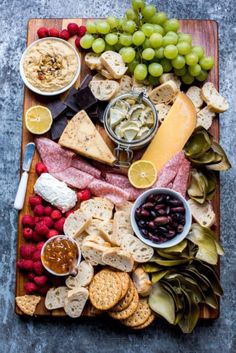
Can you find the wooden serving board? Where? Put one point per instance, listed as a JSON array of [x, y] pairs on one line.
[[205, 33]]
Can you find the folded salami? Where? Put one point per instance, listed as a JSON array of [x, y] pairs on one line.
[[74, 177], [169, 171], [113, 193], [84, 166], [122, 182], [180, 183]]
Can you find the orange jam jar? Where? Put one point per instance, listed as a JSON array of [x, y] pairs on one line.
[[60, 254]]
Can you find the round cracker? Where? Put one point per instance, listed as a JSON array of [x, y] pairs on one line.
[[125, 282], [147, 323], [126, 313], [141, 314], [125, 302], [105, 290]]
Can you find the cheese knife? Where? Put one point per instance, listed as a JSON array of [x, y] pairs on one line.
[[20, 195]]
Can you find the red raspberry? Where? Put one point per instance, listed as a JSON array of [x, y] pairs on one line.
[[36, 237], [36, 256], [25, 265], [52, 233], [53, 32], [38, 268], [68, 213], [40, 280], [31, 276], [59, 225], [82, 30], [39, 210], [42, 32], [64, 34], [56, 214], [41, 228], [30, 287], [26, 251], [84, 195], [48, 221], [73, 29], [40, 168], [40, 245], [77, 42], [43, 291], [48, 210], [28, 221], [35, 200], [28, 233]]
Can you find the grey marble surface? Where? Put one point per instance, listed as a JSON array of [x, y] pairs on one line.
[[60, 335]]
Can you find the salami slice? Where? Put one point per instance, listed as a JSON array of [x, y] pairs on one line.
[[119, 180], [170, 170], [180, 183], [53, 156], [74, 177], [113, 193], [84, 166], [106, 169], [133, 193]]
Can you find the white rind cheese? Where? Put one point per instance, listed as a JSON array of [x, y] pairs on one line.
[[55, 192]]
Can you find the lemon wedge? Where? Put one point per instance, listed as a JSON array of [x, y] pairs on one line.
[[142, 174], [38, 119]]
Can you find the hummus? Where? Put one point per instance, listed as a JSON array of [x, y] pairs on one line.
[[50, 65]]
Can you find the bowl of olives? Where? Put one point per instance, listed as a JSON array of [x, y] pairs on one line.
[[161, 217]]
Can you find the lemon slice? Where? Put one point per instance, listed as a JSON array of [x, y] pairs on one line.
[[142, 174], [38, 119]]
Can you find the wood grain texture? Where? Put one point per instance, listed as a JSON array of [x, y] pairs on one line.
[[205, 33]]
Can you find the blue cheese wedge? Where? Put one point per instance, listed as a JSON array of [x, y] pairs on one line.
[[55, 192]]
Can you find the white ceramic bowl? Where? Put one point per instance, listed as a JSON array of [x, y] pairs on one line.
[[36, 90], [179, 237], [60, 237]]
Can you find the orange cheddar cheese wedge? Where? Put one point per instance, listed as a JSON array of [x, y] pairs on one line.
[[173, 133]]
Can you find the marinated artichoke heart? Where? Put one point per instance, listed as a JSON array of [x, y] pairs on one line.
[[131, 120], [202, 185], [201, 149]]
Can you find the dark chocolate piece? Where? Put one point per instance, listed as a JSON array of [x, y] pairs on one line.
[[69, 113], [85, 98], [58, 127], [86, 81], [71, 102], [57, 107]]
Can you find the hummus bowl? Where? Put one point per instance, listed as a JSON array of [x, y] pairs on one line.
[[50, 66]]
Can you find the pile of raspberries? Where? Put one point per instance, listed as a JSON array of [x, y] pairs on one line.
[[72, 30]]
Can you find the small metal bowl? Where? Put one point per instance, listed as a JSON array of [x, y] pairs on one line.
[[123, 145], [60, 237]]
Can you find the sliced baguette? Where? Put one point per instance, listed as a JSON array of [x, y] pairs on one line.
[[162, 110], [93, 252], [80, 238], [170, 77], [121, 225], [114, 63], [142, 282], [164, 93], [213, 99], [76, 223], [83, 278], [93, 61], [104, 90], [98, 239], [194, 93], [106, 74], [98, 77], [119, 259], [205, 117], [106, 230], [75, 301], [55, 297], [203, 214], [93, 227], [125, 85], [126, 206], [98, 207], [140, 251]]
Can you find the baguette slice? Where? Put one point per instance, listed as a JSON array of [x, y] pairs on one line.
[[93, 253], [142, 282], [121, 225], [106, 74], [106, 230], [205, 117], [98, 239], [162, 110], [164, 93], [119, 259], [203, 214], [55, 298], [104, 90], [75, 301], [170, 77], [93, 227], [80, 238], [98, 207], [126, 206], [125, 85], [76, 223], [140, 251], [98, 77], [194, 93], [114, 63], [214, 100], [93, 61], [83, 278]]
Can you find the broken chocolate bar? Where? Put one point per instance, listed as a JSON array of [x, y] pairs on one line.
[[58, 127]]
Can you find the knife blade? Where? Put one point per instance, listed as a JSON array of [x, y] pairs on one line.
[[20, 195]]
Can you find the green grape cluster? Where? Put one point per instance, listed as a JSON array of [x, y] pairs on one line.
[[150, 44]]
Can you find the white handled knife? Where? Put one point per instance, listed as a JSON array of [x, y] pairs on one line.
[[20, 195]]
